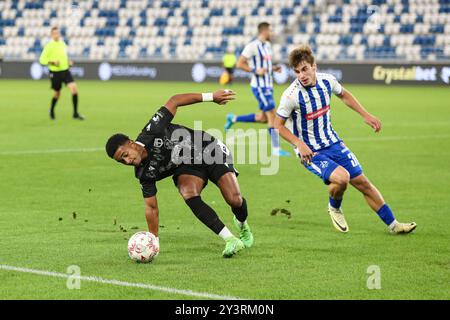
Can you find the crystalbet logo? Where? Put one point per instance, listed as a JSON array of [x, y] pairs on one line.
[[412, 73]]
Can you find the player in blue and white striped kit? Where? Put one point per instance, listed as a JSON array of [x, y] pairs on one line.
[[257, 59], [307, 103]]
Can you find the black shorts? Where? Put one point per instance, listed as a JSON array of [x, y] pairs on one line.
[[206, 172], [57, 78], [230, 70], [209, 171]]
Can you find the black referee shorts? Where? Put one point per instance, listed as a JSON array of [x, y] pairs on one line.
[[57, 78], [230, 71]]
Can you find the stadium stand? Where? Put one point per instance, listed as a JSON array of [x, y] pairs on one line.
[[356, 30]]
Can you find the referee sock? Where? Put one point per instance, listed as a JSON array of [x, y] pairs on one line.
[[205, 214], [246, 118], [275, 139], [75, 104], [241, 213], [52, 108]]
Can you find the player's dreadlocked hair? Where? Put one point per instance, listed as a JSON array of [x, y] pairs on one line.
[[299, 54], [114, 142]]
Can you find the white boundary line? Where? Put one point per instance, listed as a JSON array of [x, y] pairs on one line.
[[230, 141], [189, 293], [24, 152], [373, 138], [393, 138]]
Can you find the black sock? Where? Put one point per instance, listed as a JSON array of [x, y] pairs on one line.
[[241, 213], [75, 104], [205, 214], [54, 100]]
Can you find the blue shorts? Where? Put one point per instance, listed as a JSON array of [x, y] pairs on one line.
[[328, 159], [265, 98]]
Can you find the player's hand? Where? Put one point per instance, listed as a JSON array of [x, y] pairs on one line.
[[71, 63], [223, 96], [261, 71], [306, 154], [374, 122]]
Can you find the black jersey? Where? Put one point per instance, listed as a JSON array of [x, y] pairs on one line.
[[168, 146]]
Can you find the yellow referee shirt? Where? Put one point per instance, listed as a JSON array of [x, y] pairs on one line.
[[229, 60], [55, 51]]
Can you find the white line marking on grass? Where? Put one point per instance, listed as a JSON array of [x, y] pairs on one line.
[[393, 138], [189, 293], [230, 141], [25, 152]]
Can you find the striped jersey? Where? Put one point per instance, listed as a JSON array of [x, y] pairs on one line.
[[309, 110], [259, 55]]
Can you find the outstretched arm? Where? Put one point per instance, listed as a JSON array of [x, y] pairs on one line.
[[347, 97], [152, 214], [164, 115], [220, 97]]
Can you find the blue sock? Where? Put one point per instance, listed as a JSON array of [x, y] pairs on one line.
[[246, 118], [386, 214], [335, 203], [275, 139]]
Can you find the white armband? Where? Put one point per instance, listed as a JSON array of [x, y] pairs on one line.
[[207, 97]]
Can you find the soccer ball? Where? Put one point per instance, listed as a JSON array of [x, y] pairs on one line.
[[143, 247]]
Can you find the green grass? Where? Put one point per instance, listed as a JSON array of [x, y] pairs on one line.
[[298, 258]]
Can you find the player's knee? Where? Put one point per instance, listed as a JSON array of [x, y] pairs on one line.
[[345, 178], [261, 118], [56, 94], [234, 200], [342, 178], [188, 192]]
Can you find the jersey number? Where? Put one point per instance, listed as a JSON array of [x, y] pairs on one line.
[[353, 159]]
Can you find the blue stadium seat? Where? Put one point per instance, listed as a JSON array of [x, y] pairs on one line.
[[417, 28], [346, 40], [34, 4], [216, 12]]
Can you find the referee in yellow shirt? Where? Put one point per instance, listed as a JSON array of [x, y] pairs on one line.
[[55, 56], [229, 62]]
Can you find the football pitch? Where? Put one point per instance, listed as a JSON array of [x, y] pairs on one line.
[[65, 203]]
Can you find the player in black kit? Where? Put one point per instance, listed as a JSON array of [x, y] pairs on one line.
[[192, 158]]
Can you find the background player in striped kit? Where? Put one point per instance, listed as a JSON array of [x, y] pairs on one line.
[[307, 103], [257, 59]]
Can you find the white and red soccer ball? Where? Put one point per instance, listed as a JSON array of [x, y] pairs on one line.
[[143, 247]]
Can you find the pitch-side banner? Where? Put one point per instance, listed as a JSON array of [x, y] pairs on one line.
[[385, 74]]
